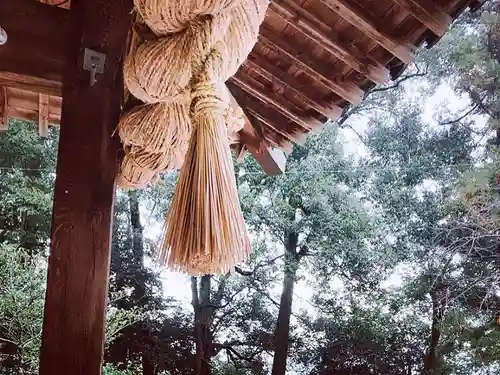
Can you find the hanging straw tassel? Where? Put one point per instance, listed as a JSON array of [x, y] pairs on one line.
[[197, 46], [205, 231]]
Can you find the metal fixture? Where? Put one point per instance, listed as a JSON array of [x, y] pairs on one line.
[[94, 62]]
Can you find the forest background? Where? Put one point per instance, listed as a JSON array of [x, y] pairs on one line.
[[377, 252]]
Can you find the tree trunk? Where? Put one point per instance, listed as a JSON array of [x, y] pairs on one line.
[[203, 313], [431, 359], [137, 241], [285, 310], [137, 230], [148, 367]]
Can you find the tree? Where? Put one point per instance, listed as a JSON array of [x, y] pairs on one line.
[[313, 213], [27, 165], [26, 177]]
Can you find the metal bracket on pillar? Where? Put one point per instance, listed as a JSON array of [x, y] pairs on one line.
[[94, 62]]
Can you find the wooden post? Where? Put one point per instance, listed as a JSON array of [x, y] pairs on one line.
[[73, 333]]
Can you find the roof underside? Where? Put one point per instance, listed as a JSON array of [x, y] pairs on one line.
[[313, 58]]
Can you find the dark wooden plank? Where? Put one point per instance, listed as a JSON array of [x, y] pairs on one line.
[[73, 333], [272, 160], [38, 39]]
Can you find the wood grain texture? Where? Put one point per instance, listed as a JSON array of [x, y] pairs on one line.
[[38, 39], [310, 97], [73, 332]]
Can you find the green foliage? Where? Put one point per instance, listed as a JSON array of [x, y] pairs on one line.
[[27, 166], [22, 280], [110, 370]]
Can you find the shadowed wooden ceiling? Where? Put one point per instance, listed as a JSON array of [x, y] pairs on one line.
[[312, 60]]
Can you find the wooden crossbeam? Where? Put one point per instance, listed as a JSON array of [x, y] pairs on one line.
[[347, 90], [302, 21], [38, 41], [273, 73], [427, 12], [365, 21], [78, 269], [30, 83], [276, 101]]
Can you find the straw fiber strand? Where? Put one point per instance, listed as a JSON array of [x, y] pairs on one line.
[[178, 68]]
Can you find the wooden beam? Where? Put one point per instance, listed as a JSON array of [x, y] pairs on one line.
[[38, 39], [427, 12], [30, 83], [272, 161], [274, 74], [4, 110], [347, 90], [368, 23], [265, 114], [24, 105], [302, 21], [43, 115], [276, 101], [75, 304]]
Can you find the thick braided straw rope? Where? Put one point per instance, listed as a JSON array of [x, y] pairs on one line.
[[179, 73]]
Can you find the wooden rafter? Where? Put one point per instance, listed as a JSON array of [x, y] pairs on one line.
[[427, 12], [366, 22], [276, 101], [266, 114], [346, 90], [301, 20], [274, 74]]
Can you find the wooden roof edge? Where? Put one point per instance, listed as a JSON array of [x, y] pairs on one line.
[[430, 38]]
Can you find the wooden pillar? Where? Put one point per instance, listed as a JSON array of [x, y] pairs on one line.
[[73, 332]]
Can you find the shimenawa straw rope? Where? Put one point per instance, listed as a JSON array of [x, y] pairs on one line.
[[178, 68]]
